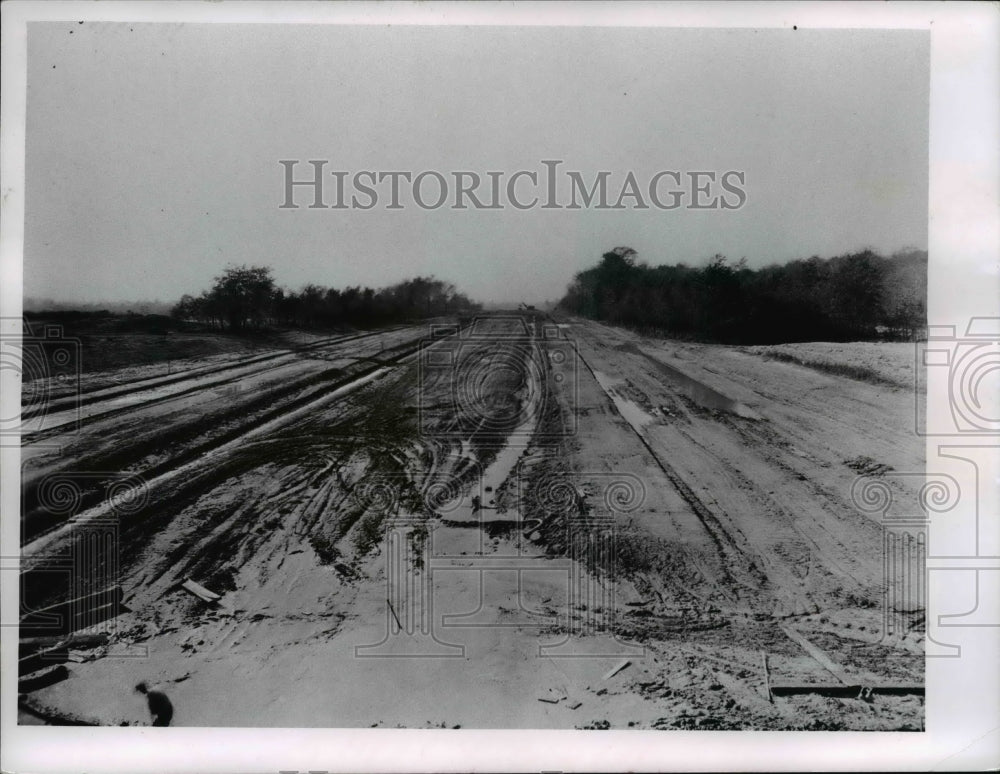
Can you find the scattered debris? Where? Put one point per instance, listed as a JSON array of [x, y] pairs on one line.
[[670, 595], [867, 466], [200, 591], [616, 669]]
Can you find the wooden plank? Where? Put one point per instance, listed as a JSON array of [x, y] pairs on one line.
[[200, 591], [847, 691], [767, 678], [820, 657], [616, 669], [553, 696]]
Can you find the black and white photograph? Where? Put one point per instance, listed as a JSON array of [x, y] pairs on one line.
[[452, 368]]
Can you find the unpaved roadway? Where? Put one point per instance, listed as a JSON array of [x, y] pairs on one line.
[[480, 533]]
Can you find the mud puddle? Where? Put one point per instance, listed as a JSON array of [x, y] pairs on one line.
[[700, 393], [462, 510], [630, 410]]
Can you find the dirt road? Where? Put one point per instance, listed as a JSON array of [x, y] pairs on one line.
[[138, 431], [524, 526]]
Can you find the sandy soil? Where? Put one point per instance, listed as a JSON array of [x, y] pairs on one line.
[[678, 513], [892, 361]]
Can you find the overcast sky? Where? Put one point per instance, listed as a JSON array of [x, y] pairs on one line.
[[153, 149]]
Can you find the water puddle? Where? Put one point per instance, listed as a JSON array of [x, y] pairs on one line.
[[461, 510], [630, 410]]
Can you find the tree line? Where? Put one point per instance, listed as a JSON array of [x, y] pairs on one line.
[[857, 296], [246, 298]]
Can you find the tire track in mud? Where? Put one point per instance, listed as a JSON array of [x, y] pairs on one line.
[[39, 522], [308, 499], [77, 423], [312, 466], [188, 439], [286, 513], [675, 572], [729, 553], [308, 472], [822, 524], [99, 394], [231, 532], [793, 548], [223, 534], [818, 547], [759, 437]]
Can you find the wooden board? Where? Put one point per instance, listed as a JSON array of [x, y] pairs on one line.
[[819, 656], [200, 591], [846, 691]]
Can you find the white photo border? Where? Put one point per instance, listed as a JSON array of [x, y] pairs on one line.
[[964, 280]]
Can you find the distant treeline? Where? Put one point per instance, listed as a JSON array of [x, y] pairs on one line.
[[246, 298], [100, 322], [47, 305], [850, 297]]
